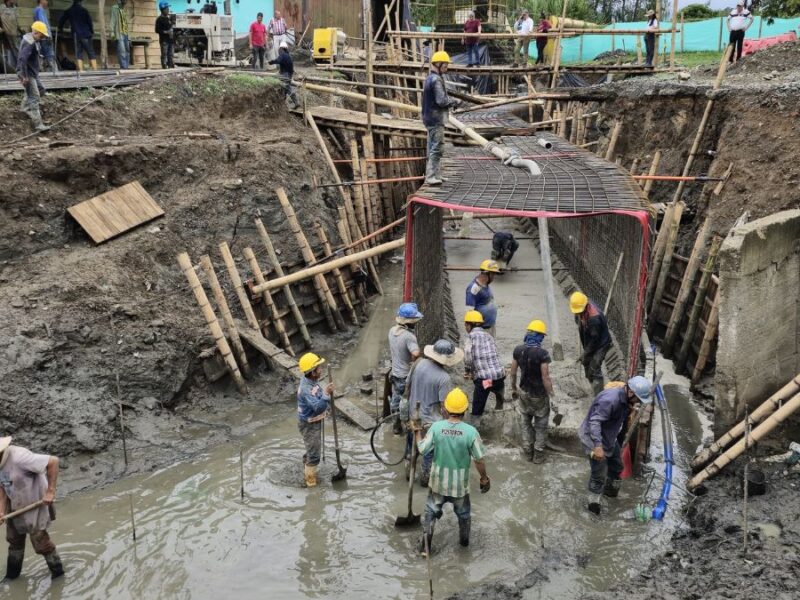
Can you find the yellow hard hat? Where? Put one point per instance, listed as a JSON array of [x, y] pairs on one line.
[[490, 266], [578, 302], [537, 326], [40, 27], [309, 361], [456, 402], [440, 57], [473, 316]]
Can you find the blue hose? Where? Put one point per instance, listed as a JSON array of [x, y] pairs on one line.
[[666, 429]]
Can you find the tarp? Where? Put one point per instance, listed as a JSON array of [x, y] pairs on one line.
[[751, 46]]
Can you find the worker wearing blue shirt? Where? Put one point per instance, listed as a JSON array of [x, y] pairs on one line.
[[480, 296], [46, 47], [312, 408]]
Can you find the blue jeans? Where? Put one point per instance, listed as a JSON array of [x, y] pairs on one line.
[[123, 52], [435, 503], [605, 471], [81, 45], [427, 459], [472, 54], [435, 150], [47, 51], [398, 389]]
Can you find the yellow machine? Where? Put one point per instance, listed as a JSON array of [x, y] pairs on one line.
[[329, 43]]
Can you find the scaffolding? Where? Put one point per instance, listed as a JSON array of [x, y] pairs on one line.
[[490, 12]]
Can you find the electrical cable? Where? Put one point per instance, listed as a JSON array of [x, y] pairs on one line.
[[372, 442]]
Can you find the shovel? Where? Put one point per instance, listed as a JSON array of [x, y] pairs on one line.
[[342, 473], [411, 519], [23, 510]]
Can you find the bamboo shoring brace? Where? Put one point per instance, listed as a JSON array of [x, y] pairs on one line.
[[337, 274], [669, 252], [658, 253], [327, 301], [224, 309], [211, 320], [612, 144], [648, 185], [708, 336], [233, 273], [355, 269], [358, 190], [287, 290], [258, 275]]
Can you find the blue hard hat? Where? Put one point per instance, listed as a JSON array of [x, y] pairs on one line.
[[163, 5], [641, 387], [409, 310]]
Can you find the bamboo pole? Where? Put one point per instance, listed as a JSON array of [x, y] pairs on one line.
[[669, 252], [549, 289], [719, 40], [359, 191], [368, 49], [775, 419], [658, 36], [385, 210], [672, 35], [613, 283], [337, 274], [708, 337], [658, 253], [697, 307], [612, 144], [355, 270], [224, 309], [287, 290], [329, 266], [211, 320], [718, 188], [687, 283], [723, 65], [101, 9], [386, 14], [653, 168], [557, 48], [326, 299], [258, 275], [682, 31], [233, 273], [635, 166]]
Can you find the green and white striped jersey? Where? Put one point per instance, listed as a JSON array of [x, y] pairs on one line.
[[455, 445]]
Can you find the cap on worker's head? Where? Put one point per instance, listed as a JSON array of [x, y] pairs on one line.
[[651, 13], [444, 352], [163, 5], [740, 3], [40, 27], [490, 266], [440, 57], [309, 361], [537, 326], [456, 402], [641, 387], [408, 313], [578, 302], [474, 317], [5, 442], [284, 45]]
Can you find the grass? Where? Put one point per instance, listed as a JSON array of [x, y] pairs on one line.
[[687, 60]]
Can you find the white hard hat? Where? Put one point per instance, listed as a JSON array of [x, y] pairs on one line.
[[284, 45]]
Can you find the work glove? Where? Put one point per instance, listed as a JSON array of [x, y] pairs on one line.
[[415, 425], [486, 485]]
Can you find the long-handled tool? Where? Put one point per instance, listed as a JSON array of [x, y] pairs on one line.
[[342, 473], [411, 519], [21, 511]]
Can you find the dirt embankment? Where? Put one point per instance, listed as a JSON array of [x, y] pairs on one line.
[[77, 315]]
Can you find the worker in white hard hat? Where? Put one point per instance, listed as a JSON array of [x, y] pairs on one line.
[[286, 72], [436, 105]]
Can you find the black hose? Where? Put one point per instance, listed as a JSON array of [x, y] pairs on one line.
[[372, 442]]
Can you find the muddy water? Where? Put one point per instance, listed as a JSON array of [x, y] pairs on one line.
[[196, 537]]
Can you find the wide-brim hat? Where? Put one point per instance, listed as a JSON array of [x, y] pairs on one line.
[[5, 442], [651, 13], [447, 360]]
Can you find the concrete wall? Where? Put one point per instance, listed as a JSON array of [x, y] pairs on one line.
[[759, 314]]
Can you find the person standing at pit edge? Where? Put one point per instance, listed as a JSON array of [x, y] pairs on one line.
[[258, 41], [82, 29], [166, 39], [312, 408], [472, 25], [480, 297], [277, 32], [119, 31], [599, 432], [455, 444], [45, 45], [435, 107], [523, 26], [595, 338], [544, 26], [482, 366], [28, 73], [650, 38], [739, 21], [405, 350], [27, 478]]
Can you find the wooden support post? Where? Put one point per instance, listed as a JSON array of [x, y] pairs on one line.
[[672, 36], [697, 307], [233, 273], [359, 191], [708, 338], [211, 320], [612, 143], [549, 289], [258, 275], [663, 275], [369, 204], [355, 270], [635, 166], [658, 253], [337, 274], [638, 50], [557, 48], [562, 124], [718, 188], [682, 31], [368, 49], [687, 283], [327, 302], [224, 309], [101, 13], [656, 57], [384, 209], [653, 168], [719, 41], [613, 283]]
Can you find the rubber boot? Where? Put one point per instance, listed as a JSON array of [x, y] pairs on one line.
[[14, 563], [38, 124], [310, 473], [80, 64], [499, 400], [397, 428], [54, 564], [594, 504], [539, 456], [421, 543], [93, 62], [612, 487], [463, 531], [529, 453]]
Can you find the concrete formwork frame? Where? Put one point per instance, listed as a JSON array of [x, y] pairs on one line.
[[424, 244]]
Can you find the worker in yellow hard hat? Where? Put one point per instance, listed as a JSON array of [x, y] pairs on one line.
[[435, 107], [482, 366], [312, 408], [595, 338], [454, 445], [28, 73], [480, 296], [533, 400]]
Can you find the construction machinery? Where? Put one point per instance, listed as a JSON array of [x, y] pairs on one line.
[[204, 38], [329, 44]]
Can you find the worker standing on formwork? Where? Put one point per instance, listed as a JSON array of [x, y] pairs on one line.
[[312, 408], [286, 72], [480, 296], [119, 31], [599, 432], [595, 338], [650, 38], [405, 350], [82, 29], [427, 387], [27, 478], [482, 366], [533, 402], [435, 107], [456, 444], [9, 27], [166, 36], [28, 73]]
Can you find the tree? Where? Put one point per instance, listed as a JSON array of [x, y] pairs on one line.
[[780, 8], [697, 12]]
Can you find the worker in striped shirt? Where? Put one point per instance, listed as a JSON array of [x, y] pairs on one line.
[[456, 445], [739, 20], [482, 365], [277, 34]]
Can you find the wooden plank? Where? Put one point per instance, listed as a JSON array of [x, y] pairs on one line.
[[115, 212], [354, 414], [278, 359]]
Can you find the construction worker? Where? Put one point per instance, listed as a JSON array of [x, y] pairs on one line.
[[595, 338], [599, 432], [286, 72], [482, 365], [45, 46], [28, 73], [118, 29], [504, 246], [650, 38], [480, 296], [312, 408], [455, 444], [166, 36], [405, 350], [27, 478], [533, 402], [739, 21], [9, 27], [435, 107], [82, 28], [427, 386]]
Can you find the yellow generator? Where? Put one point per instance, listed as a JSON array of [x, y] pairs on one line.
[[329, 43]]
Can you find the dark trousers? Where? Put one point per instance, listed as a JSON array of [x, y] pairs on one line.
[[258, 56], [40, 540], [167, 54], [650, 48], [605, 471], [472, 54], [83, 45], [540, 44], [481, 395], [737, 41], [593, 367]]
